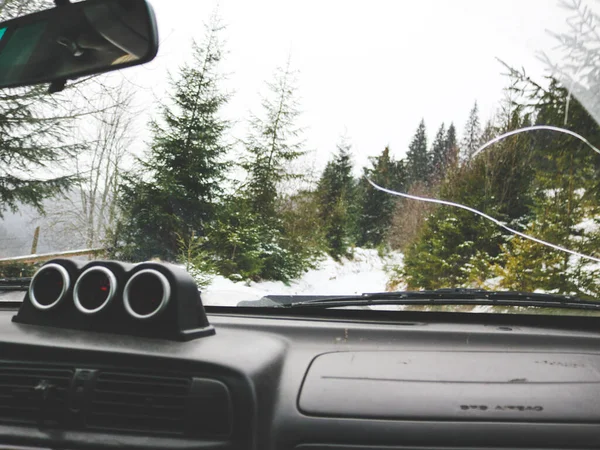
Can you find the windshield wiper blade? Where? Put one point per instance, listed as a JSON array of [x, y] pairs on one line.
[[14, 284], [451, 297]]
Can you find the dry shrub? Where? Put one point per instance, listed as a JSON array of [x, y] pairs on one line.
[[409, 217]]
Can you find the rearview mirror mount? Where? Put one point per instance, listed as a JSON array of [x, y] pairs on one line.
[[74, 40]]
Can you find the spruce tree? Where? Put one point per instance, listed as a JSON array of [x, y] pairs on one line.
[[565, 194], [458, 248], [438, 156], [268, 250], [417, 158], [36, 134], [472, 135], [375, 207], [185, 164], [32, 140], [451, 151], [273, 143], [336, 197]]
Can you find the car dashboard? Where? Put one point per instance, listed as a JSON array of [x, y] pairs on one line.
[[295, 379]]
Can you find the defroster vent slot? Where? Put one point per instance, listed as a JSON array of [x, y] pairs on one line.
[[137, 402]]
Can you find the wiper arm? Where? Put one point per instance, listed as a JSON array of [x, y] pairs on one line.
[[452, 297]]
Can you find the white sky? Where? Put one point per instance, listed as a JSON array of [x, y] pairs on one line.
[[371, 68]]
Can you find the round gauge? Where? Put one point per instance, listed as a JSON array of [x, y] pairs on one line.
[[146, 294], [49, 286], [94, 290]]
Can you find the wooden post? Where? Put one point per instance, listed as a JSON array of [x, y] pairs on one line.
[[36, 238]]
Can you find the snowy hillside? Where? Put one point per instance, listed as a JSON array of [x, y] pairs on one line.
[[365, 272]]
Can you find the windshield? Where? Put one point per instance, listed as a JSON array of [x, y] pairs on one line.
[[323, 148]]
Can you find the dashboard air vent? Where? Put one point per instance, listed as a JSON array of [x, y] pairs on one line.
[[139, 402], [33, 393]]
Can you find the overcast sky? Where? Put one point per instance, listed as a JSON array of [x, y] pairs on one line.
[[370, 69]]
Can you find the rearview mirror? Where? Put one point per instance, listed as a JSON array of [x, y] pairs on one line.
[[75, 40]]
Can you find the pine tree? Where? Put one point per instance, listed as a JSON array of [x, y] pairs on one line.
[[253, 238], [472, 135], [336, 197], [438, 156], [451, 145], [458, 248], [273, 143], [32, 140], [186, 161], [36, 134], [376, 208], [417, 158], [564, 192]]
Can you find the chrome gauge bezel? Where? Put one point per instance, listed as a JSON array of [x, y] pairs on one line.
[[166, 286], [66, 284], [111, 292]]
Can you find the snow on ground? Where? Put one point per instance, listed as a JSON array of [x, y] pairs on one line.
[[365, 272]]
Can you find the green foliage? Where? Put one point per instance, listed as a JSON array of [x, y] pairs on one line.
[[443, 154], [245, 246], [185, 168], [236, 239], [178, 209], [545, 185], [149, 227], [261, 234], [451, 149], [418, 163], [525, 268], [306, 239], [196, 259], [439, 158], [564, 193], [410, 215], [452, 243], [530, 266], [18, 270], [273, 143], [336, 194], [472, 135], [36, 132], [375, 208]]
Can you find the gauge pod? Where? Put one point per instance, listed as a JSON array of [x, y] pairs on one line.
[[49, 286], [95, 289], [153, 300], [146, 294]]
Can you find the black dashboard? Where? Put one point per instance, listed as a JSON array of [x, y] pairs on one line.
[[318, 380]]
